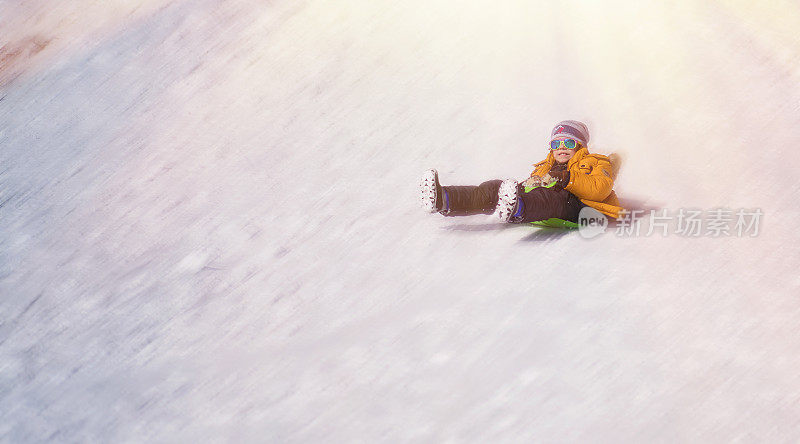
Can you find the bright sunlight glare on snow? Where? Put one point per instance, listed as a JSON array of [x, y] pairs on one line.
[[211, 231]]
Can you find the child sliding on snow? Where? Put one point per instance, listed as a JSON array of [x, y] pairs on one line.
[[569, 179]]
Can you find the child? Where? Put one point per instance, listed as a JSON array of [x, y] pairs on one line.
[[569, 179]]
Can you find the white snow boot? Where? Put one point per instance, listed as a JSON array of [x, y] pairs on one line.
[[430, 192], [507, 201]]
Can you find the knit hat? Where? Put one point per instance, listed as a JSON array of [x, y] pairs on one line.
[[571, 129]]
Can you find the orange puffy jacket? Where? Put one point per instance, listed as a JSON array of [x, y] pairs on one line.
[[591, 179]]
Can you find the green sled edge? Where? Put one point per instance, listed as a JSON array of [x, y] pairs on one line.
[[555, 222]]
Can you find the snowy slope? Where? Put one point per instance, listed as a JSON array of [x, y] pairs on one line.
[[209, 230]]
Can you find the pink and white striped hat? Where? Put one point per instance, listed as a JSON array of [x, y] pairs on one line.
[[571, 129]]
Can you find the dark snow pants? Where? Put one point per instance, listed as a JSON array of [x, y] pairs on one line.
[[539, 204]]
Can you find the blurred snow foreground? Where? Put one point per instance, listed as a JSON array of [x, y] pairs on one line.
[[208, 227]]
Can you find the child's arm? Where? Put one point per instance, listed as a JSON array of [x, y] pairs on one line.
[[593, 180]]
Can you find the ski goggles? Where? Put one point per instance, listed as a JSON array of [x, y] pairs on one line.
[[569, 144]]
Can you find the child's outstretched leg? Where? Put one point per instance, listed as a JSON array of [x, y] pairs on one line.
[[545, 203], [457, 200]]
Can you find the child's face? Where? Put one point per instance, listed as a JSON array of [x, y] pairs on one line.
[[562, 154]]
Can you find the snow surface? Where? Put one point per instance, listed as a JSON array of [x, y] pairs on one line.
[[209, 228]]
